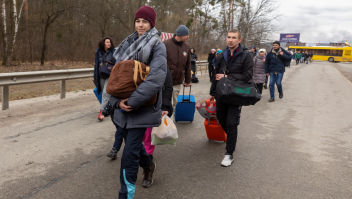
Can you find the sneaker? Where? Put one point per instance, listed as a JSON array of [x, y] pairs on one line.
[[265, 86], [148, 175], [227, 161], [113, 154], [271, 99], [281, 95]]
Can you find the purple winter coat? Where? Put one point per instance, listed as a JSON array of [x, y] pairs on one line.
[[259, 70]]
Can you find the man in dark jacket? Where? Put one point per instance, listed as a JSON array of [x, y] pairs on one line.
[[193, 62], [179, 60], [236, 62], [211, 57], [275, 67]]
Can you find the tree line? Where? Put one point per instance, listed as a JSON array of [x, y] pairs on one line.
[[45, 30]]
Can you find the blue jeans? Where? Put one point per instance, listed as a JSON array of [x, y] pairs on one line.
[[275, 78]]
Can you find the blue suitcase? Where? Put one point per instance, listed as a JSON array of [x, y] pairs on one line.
[[185, 108], [97, 94]]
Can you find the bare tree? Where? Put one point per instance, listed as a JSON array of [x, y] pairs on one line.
[[4, 31]]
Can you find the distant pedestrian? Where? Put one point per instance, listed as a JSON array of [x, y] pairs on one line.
[[306, 58], [179, 60], [211, 57], [236, 62], [275, 67], [253, 51], [259, 75], [131, 117], [194, 59], [298, 57], [311, 56], [303, 56], [103, 57]]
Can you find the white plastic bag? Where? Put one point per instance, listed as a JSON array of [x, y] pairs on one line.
[[166, 133]]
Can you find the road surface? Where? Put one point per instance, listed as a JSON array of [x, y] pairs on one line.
[[297, 147]]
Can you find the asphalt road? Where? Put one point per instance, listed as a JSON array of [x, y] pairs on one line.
[[297, 147]]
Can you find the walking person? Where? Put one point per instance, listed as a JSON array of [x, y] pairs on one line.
[[259, 75], [131, 116], [303, 56], [306, 59], [311, 56], [298, 57], [194, 59], [275, 67], [103, 58], [179, 61], [236, 61], [166, 110], [253, 51], [211, 57]]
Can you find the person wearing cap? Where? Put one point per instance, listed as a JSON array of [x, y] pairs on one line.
[[259, 75], [211, 57], [179, 60], [253, 51], [130, 117], [275, 67]]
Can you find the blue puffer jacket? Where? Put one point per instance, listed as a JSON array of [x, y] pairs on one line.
[[145, 116], [275, 63]]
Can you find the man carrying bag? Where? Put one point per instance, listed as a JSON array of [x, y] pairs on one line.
[[234, 64]]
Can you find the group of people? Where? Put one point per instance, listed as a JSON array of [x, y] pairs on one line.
[[170, 64], [302, 57]]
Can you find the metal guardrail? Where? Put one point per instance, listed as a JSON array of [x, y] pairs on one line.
[[9, 79]]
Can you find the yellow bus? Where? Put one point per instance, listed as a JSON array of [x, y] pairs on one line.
[[327, 53]]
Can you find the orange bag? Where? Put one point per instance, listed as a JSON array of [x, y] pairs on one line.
[[125, 77], [214, 130]]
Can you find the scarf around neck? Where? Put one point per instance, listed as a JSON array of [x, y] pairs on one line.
[[140, 49]]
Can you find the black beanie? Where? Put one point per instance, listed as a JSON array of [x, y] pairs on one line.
[[277, 42]]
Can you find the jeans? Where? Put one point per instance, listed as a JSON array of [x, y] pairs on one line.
[[266, 79], [118, 139], [133, 156], [297, 61], [275, 78], [105, 97]]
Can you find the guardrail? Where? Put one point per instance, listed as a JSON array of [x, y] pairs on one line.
[[9, 79]]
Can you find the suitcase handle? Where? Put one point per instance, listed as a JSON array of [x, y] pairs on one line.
[[186, 100]]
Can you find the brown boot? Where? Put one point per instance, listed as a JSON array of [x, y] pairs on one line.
[[148, 175]]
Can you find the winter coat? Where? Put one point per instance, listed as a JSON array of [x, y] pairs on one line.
[[276, 62], [211, 57], [259, 75], [240, 67], [144, 116], [298, 56], [194, 58], [178, 61], [99, 56], [167, 94]]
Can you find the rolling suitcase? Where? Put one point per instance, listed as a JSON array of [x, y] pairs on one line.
[[212, 127], [97, 94], [185, 107], [214, 130]]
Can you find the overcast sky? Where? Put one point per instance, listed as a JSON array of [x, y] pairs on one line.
[[316, 20]]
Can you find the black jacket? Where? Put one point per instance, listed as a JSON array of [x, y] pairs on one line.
[[211, 58], [240, 67], [167, 94], [194, 57], [275, 63]]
